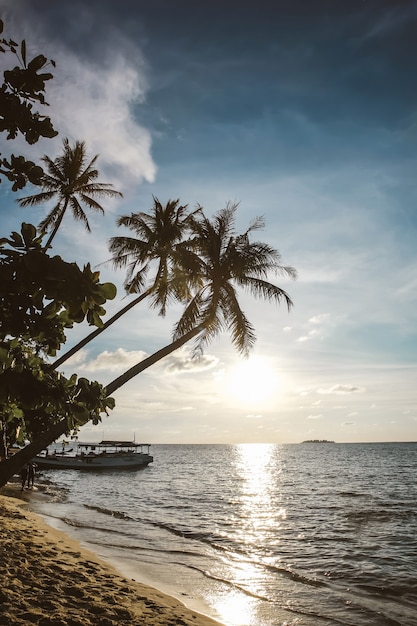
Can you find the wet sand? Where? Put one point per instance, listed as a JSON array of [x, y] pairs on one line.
[[46, 578]]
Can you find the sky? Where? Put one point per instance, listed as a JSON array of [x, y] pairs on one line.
[[304, 112]]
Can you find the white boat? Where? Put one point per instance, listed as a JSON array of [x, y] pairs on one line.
[[97, 456]]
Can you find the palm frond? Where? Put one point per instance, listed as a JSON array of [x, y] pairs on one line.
[[39, 198], [78, 213], [91, 203], [242, 331], [266, 290], [191, 316], [136, 280], [51, 218]]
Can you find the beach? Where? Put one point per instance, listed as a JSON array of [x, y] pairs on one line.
[[47, 578]]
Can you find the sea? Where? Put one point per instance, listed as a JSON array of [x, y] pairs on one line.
[[312, 534]]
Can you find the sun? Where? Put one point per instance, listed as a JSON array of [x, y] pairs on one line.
[[253, 381]]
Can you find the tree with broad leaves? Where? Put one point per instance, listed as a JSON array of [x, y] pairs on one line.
[[41, 297], [22, 88], [72, 181]]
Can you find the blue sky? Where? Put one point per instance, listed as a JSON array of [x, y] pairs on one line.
[[305, 113]]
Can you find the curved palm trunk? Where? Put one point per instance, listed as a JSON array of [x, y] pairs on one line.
[[98, 331], [12, 465], [57, 225], [150, 360]]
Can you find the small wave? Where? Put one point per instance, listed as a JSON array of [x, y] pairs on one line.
[[296, 577], [111, 512], [381, 516], [149, 548], [283, 605], [229, 583], [73, 522], [209, 538]]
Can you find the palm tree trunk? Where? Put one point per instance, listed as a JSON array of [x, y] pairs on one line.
[[57, 225], [98, 331], [12, 465], [150, 360]]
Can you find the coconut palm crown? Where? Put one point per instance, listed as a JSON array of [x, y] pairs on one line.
[[161, 239], [72, 180], [228, 261]]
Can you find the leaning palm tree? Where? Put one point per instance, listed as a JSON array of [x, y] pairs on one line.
[[72, 181], [160, 239], [224, 262]]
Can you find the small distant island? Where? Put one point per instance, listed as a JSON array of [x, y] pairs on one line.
[[317, 441]]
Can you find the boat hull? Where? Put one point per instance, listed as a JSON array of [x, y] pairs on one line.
[[93, 462]]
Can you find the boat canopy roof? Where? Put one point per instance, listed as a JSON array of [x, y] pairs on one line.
[[114, 444]]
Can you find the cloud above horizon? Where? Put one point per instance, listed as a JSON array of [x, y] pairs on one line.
[[342, 389], [111, 84], [109, 91]]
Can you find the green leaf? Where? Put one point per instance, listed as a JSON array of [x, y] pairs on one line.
[[29, 233], [110, 403], [37, 63], [23, 51], [108, 290]]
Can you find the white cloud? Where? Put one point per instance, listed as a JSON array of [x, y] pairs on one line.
[[316, 332], [342, 389], [183, 409], [314, 417], [93, 99], [181, 361], [120, 359], [105, 121], [79, 357], [319, 319]]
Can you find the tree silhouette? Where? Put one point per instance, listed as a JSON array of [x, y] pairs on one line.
[[224, 261], [73, 182]]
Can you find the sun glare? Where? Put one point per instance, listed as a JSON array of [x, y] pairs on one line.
[[253, 381]]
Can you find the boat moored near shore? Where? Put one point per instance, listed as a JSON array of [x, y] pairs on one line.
[[95, 456]]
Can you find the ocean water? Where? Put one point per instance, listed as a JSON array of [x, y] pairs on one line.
[[259, 534]]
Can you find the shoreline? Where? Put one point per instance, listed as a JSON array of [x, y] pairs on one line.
[[48, 578]]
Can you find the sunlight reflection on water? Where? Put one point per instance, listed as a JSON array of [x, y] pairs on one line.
[[235, 609], [255, 467]]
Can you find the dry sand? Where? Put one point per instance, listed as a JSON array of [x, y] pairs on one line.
[[48, 579]]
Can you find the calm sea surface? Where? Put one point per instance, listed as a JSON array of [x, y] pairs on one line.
[[259, 535]]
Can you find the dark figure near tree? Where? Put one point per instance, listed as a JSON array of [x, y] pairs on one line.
[[31, 474], [27, 474], [24, 474]]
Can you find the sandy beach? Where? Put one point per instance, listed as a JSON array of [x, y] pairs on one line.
[[46, 578]]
